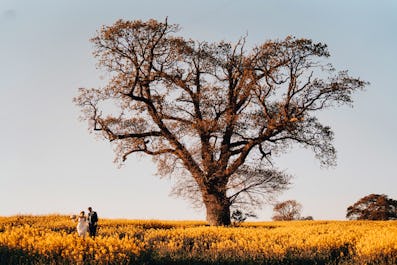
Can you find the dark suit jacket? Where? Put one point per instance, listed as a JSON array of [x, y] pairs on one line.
[[92, 218]]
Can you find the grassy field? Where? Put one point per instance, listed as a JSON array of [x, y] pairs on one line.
[[53, 240]]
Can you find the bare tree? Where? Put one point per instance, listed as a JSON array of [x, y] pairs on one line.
[[213, 114], [287, 211]]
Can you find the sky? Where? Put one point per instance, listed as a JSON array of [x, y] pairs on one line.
[[50, 163]]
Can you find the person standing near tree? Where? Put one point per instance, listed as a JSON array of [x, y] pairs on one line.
[[92, 222]]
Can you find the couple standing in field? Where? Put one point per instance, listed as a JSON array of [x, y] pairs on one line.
[[87, 223]]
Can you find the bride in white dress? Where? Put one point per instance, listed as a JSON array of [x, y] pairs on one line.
[[82, 225]]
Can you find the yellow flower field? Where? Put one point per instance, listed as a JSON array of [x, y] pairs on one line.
[[53, 240]]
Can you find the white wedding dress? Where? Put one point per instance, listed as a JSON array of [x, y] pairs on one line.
[[82, 226]]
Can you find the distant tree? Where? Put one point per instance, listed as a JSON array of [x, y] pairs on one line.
[[373, 207], [239, 216], [307, 218], [213, 114], [287, 211]]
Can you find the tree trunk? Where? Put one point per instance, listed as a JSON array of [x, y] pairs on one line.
[[218, 208]]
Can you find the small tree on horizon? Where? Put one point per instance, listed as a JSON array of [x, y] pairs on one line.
[[213, 114], [287, 211], [239, 216]]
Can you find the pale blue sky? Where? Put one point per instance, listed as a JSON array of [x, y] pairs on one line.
[[49, 163]]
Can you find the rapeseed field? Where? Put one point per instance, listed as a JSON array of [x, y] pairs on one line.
[[53, 239]]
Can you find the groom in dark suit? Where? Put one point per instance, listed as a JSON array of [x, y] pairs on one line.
[[92, 222]]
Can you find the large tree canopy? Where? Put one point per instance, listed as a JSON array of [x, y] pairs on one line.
[[213, 114], [373, 207]]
